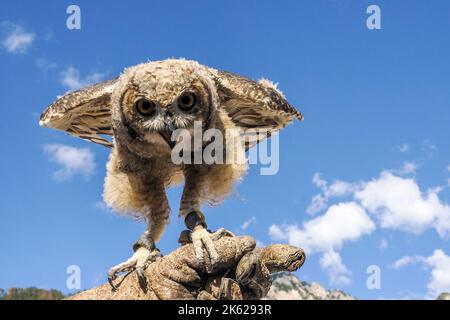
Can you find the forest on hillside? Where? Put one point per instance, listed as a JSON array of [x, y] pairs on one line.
[[31, 293]]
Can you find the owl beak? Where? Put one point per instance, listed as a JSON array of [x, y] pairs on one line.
[[167, 136], [167, 132], [169, 123], [170, 126]]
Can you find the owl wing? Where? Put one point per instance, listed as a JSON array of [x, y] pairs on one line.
[[85, 113], [254, 105]]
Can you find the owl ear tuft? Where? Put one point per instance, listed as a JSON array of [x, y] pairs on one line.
[[85, 113]]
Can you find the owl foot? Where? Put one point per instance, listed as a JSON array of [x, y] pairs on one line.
[[203, 239], [186, 238], [142, 257]]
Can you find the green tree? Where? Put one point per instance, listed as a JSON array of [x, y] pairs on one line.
[[31, 293]]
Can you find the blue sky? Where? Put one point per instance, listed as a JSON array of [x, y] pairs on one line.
[[363, 181]]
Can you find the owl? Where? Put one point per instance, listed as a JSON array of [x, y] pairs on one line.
[[141, 110]]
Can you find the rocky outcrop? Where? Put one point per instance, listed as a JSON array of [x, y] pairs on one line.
[[444, 296], [286, 286], [243, 272]]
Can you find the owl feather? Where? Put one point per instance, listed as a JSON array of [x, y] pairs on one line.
[[86, 113]]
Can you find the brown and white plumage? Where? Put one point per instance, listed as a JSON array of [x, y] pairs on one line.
[[86, 113], [141, 109], [253, 104]]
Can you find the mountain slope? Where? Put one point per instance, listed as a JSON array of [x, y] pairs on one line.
[[444, 296], [286, 286]]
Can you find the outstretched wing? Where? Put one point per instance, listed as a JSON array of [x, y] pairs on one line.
[[85, 113], [254, 105]]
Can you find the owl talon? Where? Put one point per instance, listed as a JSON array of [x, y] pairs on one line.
[[138, 262], [222, 232], [185, 236], [141, 278], [203, 239]]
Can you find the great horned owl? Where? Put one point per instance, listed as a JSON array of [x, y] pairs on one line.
[[141, 109]]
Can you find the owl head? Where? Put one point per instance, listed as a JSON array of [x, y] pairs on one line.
[[152, 100], [149, 101]]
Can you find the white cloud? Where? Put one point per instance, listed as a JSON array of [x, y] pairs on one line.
[[439, 281], [45, 65], [72, 160], [403, 147], [318, 181], [394, 201], [338, 274], [383, 244], [318, 203], [248, 223], [17, 40], [407, 168], [337, 189], [102, 206], [398, 203], [277, 234], [406, 261], [340, 189], [438, 264], [72, 79], [326, 234], [342, 222]]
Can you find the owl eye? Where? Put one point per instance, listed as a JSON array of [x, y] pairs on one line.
[[145, 107], [187, 101]]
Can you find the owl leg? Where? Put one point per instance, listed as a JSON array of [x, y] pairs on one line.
[[202, 239], [145, 251]]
